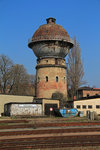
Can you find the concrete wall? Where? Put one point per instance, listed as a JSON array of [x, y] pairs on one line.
[[12, 98], [90, 102], [26, 110]]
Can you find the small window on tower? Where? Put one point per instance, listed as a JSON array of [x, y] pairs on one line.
[[64, 79], [56, 61], [46, 78], [56, 78]]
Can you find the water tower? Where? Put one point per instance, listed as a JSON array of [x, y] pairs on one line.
[[50, 43]]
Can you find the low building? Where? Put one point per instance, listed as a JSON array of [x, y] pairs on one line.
[[38, 107], [48, 105], [91, 103], [22, 109], [87, 91], [13, 98]]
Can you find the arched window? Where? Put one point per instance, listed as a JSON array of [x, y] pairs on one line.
[[64, 79], [46, 78], [56, 78]]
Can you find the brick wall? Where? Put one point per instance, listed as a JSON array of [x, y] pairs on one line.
[[90, 92], [45, 89], [52, 68]]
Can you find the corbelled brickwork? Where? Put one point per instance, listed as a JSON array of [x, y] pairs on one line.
[[53, 61]]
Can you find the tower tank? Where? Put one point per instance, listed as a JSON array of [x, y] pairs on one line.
[[50, 43]]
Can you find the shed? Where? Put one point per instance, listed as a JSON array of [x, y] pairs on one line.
[[22, 109], [47, 105], [38, 107]]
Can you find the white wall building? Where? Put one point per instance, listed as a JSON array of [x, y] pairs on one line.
[[89, 104]]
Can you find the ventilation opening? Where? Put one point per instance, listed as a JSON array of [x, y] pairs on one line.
[[57, 79], [64, 79], [46, 78], [56, 61]]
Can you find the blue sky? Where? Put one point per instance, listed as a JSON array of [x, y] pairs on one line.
[[19, 19]]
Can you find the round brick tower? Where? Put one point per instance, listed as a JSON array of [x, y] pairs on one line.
[[51, 44]]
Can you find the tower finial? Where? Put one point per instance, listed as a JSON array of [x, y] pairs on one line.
[[51, 20]]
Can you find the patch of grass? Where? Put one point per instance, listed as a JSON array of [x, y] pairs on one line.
[[3, 124]]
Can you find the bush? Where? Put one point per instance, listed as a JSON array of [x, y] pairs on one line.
[[59, 96]]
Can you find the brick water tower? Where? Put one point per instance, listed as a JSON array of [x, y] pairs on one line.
[[50, 43]]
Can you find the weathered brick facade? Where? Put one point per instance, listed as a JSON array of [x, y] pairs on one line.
[[90, 93], [87, 91], [55, 71]]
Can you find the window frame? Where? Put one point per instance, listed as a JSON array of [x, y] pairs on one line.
[[64, 79], [78, 106], [84, 106], [97, 107], [90, 107]]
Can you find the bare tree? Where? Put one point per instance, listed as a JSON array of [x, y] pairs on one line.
[[14, 79], [19, 80], [75, 70], [32, 79], [5, 68]]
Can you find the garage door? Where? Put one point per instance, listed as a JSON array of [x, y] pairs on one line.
[[49, 109]]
